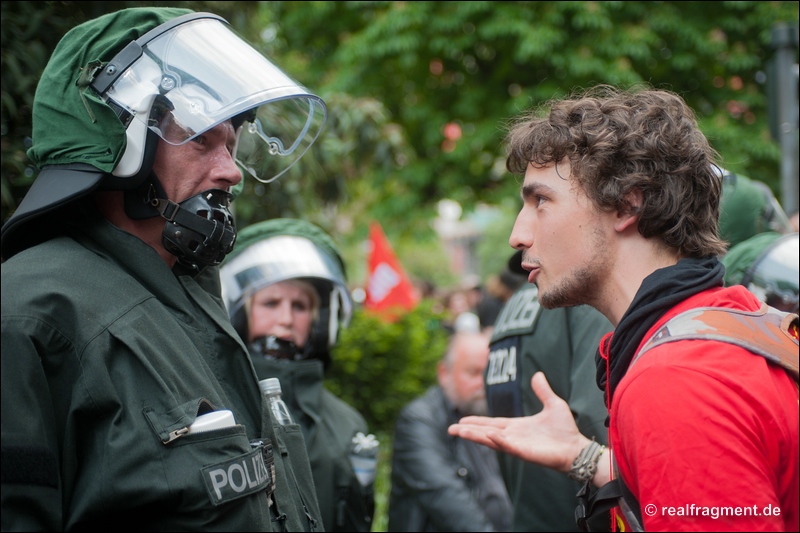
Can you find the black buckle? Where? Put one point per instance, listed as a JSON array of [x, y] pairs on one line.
[[581, 519]]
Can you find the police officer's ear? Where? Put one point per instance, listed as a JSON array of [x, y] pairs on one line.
[[443, 367], [441, 372]]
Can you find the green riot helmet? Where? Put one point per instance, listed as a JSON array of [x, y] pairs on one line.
[[748, 207], [288, 249], [118, 84], [768, 265]]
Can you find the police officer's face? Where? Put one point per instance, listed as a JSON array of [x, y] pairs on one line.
[[284, 310], [206, 162], [566, 242]]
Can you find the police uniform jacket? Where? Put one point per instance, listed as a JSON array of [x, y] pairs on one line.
[[107, 356], [561, 343], [329, 425]]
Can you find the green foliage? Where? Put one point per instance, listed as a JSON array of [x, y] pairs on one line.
[[395, 73], [479, 63], [426, 261], [380, 366], [493, 250]]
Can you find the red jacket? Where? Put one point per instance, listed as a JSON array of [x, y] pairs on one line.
[[705, 434]]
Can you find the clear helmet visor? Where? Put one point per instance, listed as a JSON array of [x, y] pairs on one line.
[[197, 74], [282, 258], [774, 275]]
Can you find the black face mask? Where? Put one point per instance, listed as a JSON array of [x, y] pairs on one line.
[[200, 231], [276, 348]]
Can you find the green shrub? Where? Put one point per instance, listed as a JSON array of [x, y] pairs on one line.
[[380, 366]]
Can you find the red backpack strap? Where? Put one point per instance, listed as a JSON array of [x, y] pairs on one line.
[[768, 332]]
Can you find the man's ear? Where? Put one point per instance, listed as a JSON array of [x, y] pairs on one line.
[[628, 216], [441, 372]]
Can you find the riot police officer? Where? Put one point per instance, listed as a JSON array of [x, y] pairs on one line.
[[127, 396]]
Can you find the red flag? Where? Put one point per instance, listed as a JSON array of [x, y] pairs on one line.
[[388, 286]]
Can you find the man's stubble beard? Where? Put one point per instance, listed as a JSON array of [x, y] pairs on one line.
[[579, 286], [474, 407]]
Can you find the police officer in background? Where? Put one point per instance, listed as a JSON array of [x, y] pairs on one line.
[[748, 207], [767, 264], [127, 396], [561, 343], [762, 243], [286, 292]]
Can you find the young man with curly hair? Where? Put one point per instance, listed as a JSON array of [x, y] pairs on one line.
[[621, 201]]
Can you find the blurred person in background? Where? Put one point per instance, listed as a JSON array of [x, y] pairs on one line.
[[439, 482], [762, 254], [498, 289], [456, 303], [748, 207], [473, 289], [767, 265], [285, 288]]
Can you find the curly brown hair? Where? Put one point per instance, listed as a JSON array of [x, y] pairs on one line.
[[619, 141]]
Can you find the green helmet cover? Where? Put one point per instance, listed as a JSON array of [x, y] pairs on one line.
[[769, 266], [281, 249], [71, 124], [748, 207], [285, 226], [740, 257]]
